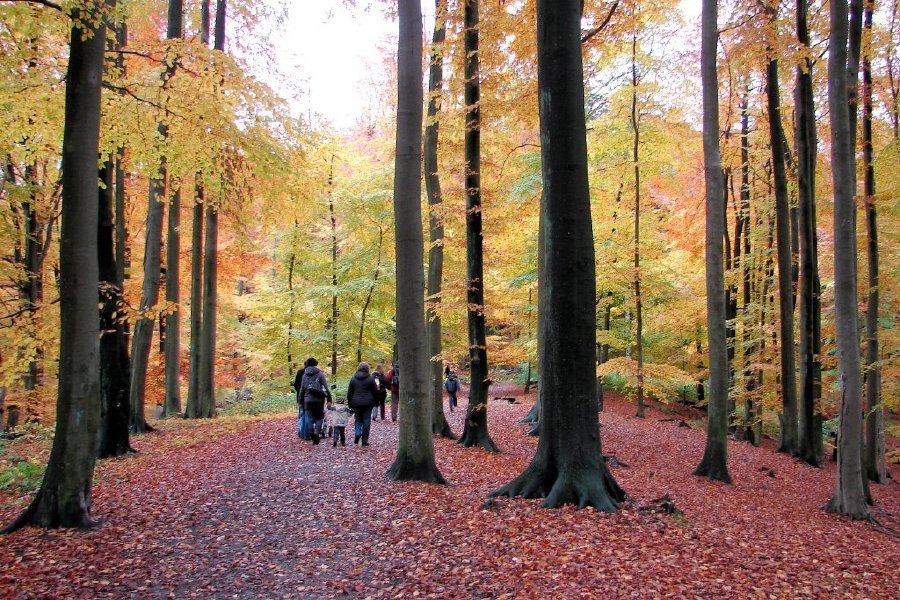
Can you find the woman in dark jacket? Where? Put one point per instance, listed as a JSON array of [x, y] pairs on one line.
[[361, 398]]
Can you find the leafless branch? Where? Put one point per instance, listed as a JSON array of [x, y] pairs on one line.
[[587, 36]]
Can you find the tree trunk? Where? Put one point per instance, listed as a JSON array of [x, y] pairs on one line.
[[439, 425], [876, 467], [143, 330], [809, 422], [788, 438], [191, 408], [114, 373], [751, 421], [172, 402], [715, 457], [638, 345], [849, 498], [475, 432], [415, 448], [334, 272], [369, 293], [64, 498], [568, 467]]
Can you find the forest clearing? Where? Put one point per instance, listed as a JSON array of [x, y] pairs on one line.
[[245, 509]]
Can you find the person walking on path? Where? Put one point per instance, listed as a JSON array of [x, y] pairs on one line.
[[314, 390], [301, 410], [382, 385], [361, 398], [393, 377], [339, 414], [452, 386]]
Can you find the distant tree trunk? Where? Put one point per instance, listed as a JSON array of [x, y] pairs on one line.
[[64, 498], [567, 467], [290, 281], [714, 464], [809, 422], [334, 272], [114, 373], [369, 293], [415, 448], [143, 329], [788, 438], [751, 420], [172, 402], [876, 467], [639, 323], [207, 367], [849, 498], [475, 432], [191, 408], [439, 425]]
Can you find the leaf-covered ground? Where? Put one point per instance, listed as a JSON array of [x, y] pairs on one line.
[[248, 510]]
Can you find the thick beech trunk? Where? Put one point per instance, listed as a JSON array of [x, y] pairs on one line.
[[638, 309], [715, 457], [415, 448], [172, 402], [64, 498], [809, 422], [568, 467], [849, 497], [439, 425], [788, 437], [874, 459], [475, 432]]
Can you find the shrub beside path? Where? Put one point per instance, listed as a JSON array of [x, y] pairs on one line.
[[245, 509]]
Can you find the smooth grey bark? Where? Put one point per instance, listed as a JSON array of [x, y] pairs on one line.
[[849, 498], [415, 448], [143, 329], [172, 369], [475, 431], [64, 498], [568, 467], [714, 464], [809, 425], [788, 438], [874, 459], [439, 425]]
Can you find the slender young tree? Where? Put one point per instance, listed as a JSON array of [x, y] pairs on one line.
[[475, 432], [809, 429], [568, 467], [638, 308], [788, 439], [415, 448], [439, 425], [143, 329], [876, 467], [64, 498], [849, 497], [714, 464]]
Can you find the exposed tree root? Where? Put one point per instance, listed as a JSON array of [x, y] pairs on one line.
[[581, 487], [477, 436], [405, 469], [714, 472]]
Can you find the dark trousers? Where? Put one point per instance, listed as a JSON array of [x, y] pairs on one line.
[[363, 424], [379, 407], [452, 400], [339, 431]]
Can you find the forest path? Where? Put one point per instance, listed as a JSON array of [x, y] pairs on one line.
[[257, 512]]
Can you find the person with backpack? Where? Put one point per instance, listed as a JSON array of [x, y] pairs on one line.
[[382, 384], [361, 398], [393, 377], [301, 410], [452, 386], [314, 391]]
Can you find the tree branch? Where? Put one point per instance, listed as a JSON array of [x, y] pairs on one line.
[[587, 36], [47, 3]]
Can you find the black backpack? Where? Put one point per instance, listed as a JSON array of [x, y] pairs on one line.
[[315, 389], [395, 378]]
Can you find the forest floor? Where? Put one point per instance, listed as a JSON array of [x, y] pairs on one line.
[[243, 508]]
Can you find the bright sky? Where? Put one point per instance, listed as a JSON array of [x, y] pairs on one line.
[[328, 52]]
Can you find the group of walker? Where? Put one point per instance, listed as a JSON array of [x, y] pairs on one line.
[[366, 397]]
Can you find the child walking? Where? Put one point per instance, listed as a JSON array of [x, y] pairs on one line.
[[339, 414]]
